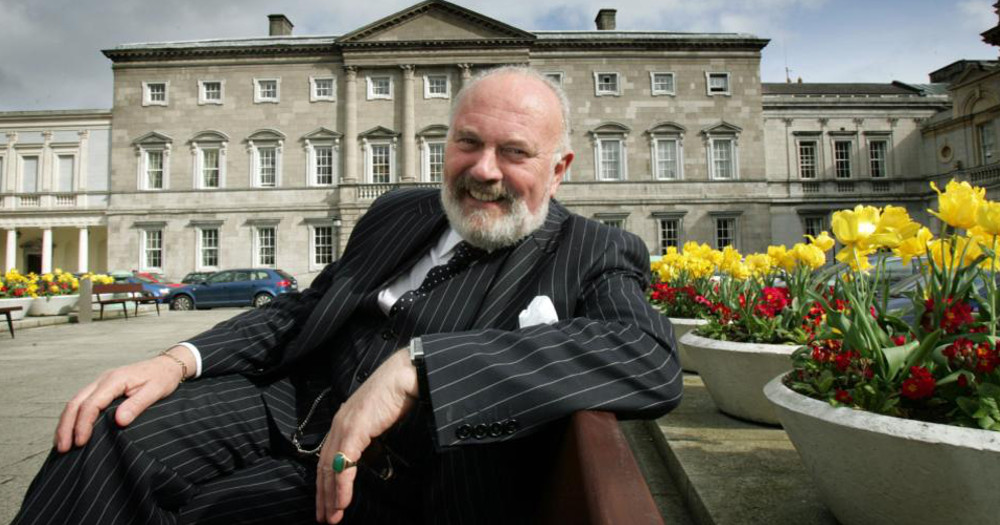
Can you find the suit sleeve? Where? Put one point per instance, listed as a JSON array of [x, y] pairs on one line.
[[616, 354]]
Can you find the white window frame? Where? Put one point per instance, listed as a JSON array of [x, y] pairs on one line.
[[144, 250], [654, 148], [314, 95], [425, 157], [21, 156], [735, 233], [255, 147], [599, 140], [815, 158], [598, 92], [708, 83], [257, 245], [654, 91], [203, 92], [200, 251], [147, 99], [713, 141], [370, 83], [555, 76], [883, 161], [368, 145], [258, 95], [57, 157], [312, 161], [314, 264], [143, 178], [824, 223], [198, 150], [662, 240], [427, 86], [986, 138], [847, 161]]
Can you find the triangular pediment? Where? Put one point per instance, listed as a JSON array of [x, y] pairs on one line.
[[153, 137], [435, 20], [379, 132], [722, 128]]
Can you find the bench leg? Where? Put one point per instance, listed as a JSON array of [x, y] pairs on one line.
[[102, 311], [10, 324], [125, 309], [157, 303]]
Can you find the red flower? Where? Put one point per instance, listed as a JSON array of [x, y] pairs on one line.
[[919, 385], [956, 316], [899, 340], [962, 381], [843, 396], [18, 292], [843, 361]]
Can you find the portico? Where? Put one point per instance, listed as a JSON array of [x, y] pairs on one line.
[[40, 245]]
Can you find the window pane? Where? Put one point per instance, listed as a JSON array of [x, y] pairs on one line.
[[614, 222], [668, 233], [210, 168], [324, 87], [814, 225], [718, 83], [268, 89], [876, 156], [666, 159], [154, 170], [157, 92], [267, 171], [725, 229], [213, 90], [324, 164], [380, 86], [265, 246], [437, 85], [611, 157], [380, 163], [722, 158], [323, 245], [988, 142], [663, 83], [807, 160], [842, 159], [435, 161], [607, 83], [29, 174], [66, 164], [210, 247], [153, 248]]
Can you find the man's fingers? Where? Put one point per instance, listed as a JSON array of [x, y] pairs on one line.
[[344, 491], [136, 404], [67, 420]]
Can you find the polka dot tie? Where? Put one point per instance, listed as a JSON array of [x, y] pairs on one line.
[[464, 255]]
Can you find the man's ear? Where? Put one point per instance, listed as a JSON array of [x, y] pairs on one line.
[[560, 171]]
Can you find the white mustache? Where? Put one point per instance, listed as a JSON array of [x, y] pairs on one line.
[[496, 190]]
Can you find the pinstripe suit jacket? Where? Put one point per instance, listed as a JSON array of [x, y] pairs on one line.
[[609, 350]]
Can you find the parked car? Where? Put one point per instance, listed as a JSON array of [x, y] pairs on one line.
[[196, 277], [241, 287], [150, 284]]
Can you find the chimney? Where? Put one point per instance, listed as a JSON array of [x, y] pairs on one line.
[[605, 19], [280, 25]]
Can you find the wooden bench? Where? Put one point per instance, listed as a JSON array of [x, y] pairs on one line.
[[596, 477], [110, 294], [6, 310]]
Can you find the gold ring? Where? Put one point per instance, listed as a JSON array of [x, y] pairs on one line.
[[341, 463]]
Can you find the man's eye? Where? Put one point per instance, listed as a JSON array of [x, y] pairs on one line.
[[467, 142], [516, 153]]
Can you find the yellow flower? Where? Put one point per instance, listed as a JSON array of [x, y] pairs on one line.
[[759, 264], [960, 254], [855, 227], [988, 217], [915, 246], [959, 204], [894, 226], [856, 257], [780, 257], [809, 255], [823, 241]]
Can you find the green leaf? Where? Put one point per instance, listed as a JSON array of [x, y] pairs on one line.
[[825, 382], [920, 354], [896, 358]]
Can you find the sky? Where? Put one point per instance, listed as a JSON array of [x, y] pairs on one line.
[[50, 50]]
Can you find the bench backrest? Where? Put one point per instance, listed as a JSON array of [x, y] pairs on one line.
[[117, 288]]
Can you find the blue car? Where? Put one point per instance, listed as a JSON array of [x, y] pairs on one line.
[[158, 289], [241, 287]]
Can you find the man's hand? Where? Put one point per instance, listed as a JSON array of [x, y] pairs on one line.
[[381, 401], [143, 383]]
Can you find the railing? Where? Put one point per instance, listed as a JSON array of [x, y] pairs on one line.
[[65, 200], [373, 191], [984, 174], [29, 201], [48, 200], [821, 189]]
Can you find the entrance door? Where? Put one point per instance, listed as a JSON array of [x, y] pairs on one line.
[[34, 261]]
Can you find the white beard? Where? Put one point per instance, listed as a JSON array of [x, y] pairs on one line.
[[479, 228]]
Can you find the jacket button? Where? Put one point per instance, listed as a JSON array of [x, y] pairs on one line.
[[482, 430], [388, 334], [510, 426], [463, 432], [496, 429]]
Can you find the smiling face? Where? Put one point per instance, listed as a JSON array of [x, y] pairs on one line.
[[503, 162]]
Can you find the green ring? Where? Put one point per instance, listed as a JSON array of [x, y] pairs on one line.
[[338, 462]]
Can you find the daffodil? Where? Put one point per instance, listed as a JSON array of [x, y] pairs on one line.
[[958, 206], [855, 227], [809, 255], [759, 264], [988, 217], [894, 226], [915, 246], [823, 241], [950, 255]]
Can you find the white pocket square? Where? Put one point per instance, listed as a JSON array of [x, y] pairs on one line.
[[540, 310]]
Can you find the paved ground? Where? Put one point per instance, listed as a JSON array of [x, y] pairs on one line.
[[43, 367]]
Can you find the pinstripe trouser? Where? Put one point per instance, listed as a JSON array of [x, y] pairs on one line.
[[209, 453]]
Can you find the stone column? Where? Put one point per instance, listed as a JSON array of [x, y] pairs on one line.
[[84, 250], [82, 160], [47, 250], [409, 127], [466, 73], [10, 260], [350, 175]]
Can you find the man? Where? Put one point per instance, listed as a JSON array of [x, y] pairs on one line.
[[404, 365]]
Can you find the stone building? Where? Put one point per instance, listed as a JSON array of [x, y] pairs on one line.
[[54, 181]]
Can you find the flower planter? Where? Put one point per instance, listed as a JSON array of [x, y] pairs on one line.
[[54, 305], [23, 302], [683, 325], [871, 468], [735, 374]]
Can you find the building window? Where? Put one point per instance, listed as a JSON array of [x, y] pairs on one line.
[[209, 168], [208, 248], [718, 83], [323, 174], [379, 162], [615, 221], [610, 159], [65, 169], [267, 167], [668, 233], [154, 93], [813, 224], [807, 159], [876, 158], [153, 168], [322, 89], [606, 84], [842, 159], [433, 161], [210, 92], [209, 148], [29, 174], [152, 249], [661, 83], [666, 159], [266, 90], [437, 86], [266, 154], [265, 246], [725, 232], [555, 76], [723, 158], [379, 87], [322, 245], [987, 142]]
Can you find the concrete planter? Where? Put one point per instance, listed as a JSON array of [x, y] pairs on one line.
[[683, 325], [23, 302], [55, 305], [735, 374], [870, 468]]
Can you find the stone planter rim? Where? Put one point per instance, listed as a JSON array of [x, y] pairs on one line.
[[697, 321], [739, 346], [931, 433]]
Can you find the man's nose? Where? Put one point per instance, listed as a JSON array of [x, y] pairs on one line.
[[486, 168]]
